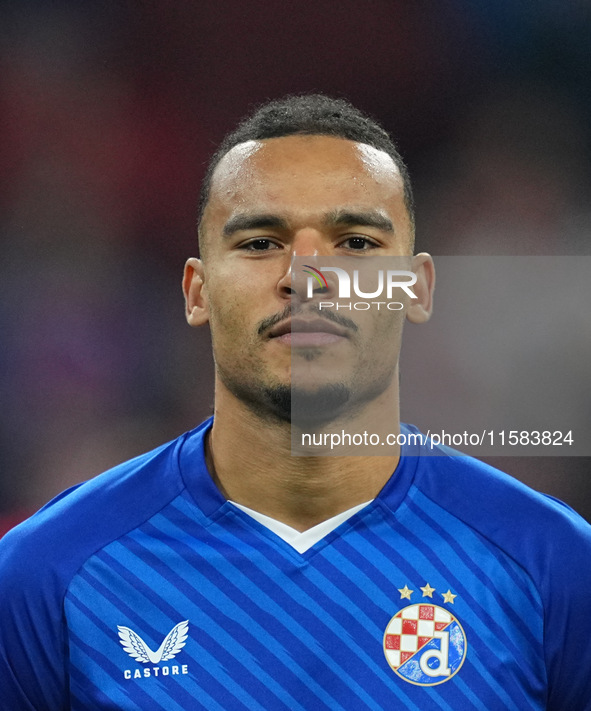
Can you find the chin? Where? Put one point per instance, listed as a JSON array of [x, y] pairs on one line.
[[284, 402], [306, 407]]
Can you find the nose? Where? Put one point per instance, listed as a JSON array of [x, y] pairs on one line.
[[307, 242]]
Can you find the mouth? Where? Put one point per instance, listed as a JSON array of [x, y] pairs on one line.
[[306, 333]]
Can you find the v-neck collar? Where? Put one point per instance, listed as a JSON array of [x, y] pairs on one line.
[[301, 541], [211, 502]]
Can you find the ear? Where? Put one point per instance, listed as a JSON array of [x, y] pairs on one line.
[[196, 306], [419, 310]]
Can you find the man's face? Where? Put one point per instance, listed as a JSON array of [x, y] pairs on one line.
[[303, 196]]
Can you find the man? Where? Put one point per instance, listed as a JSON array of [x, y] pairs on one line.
[[220, 571]]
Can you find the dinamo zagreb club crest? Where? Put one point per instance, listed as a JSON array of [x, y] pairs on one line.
[[425, 644]]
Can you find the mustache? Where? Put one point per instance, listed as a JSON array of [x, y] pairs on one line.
[[290, 311]]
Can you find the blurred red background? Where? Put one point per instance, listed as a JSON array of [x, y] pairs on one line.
[[109, 112]]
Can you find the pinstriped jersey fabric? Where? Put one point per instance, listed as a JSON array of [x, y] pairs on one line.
[[438, 595]]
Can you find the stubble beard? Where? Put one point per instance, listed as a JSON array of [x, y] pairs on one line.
[[306, 409], [281, 403]]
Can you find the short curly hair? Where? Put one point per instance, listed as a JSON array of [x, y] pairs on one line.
[[312, 115]]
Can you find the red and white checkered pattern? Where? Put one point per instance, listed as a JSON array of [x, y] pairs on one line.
[[412, 628]]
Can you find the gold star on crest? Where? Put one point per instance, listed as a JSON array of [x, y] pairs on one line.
[[428, 590], [405, 592], [448, 597]]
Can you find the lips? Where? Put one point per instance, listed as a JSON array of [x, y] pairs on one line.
[[300, 325], [308, 332]]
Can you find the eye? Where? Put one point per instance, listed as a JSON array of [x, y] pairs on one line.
[[260, 244], [358, 244]]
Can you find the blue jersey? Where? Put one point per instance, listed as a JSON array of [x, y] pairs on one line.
[[456, 588]]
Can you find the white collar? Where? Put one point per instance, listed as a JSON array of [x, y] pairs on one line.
[[301, 540]]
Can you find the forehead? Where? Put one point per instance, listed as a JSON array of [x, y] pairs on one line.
[[304, 174]]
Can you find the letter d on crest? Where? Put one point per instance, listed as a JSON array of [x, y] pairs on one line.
[[441, 655]]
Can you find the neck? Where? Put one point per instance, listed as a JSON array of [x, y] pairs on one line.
[[251, 461]]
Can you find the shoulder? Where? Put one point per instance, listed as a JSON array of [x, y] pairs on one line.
[[499, 507], [58, 539], [487, 499], [544, 536]]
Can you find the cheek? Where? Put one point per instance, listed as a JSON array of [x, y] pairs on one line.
[[227, 316], [230, 337], [232, 317], [380, 338], [225, 294]]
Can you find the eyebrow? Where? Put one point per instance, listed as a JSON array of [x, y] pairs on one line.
[[253, 222], [361, 218], [336, 218]]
